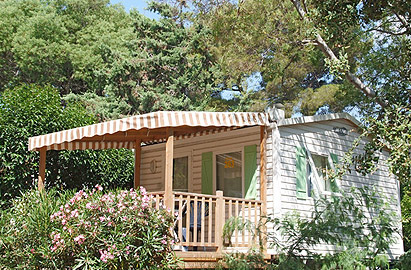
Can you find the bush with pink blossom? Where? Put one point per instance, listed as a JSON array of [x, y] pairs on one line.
[[114, 230], [106, 230]]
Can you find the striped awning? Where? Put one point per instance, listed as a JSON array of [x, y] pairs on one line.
[[147, 128]]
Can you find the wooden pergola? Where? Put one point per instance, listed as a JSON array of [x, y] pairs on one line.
[[132, 132]]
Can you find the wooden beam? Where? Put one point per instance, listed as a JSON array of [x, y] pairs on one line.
[[168, 179], [263, 186], [137, 161], [42, 169]]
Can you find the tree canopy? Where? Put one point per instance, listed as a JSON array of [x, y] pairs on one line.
[[90, 46]]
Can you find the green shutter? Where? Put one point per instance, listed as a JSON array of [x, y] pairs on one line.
[[301, 175], [250, 171], [333, 183], [207, 173]]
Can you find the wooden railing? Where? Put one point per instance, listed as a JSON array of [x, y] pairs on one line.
[[157, 199], [200, 220], [245, 212]]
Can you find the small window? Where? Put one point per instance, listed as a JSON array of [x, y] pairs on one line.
[[322, 167], [229, 174], [180, 174]]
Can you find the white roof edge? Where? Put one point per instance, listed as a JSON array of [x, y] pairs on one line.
[[317, 118]]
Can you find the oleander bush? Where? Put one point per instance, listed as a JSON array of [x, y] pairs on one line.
[[87, 230]]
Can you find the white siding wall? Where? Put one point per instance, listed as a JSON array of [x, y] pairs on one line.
[[319, 138]]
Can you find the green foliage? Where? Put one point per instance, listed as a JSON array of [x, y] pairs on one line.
[[168, 66], [244, 261], [87, 230], [239, 224], [87, 46], [359, 218], [404, 262], [354, 258], [359, 224], [25, 229], [31, 110], [90, 46], [58, 42], [406, 214], [105, 108], [313, 99], [390, 131], [261, 37]]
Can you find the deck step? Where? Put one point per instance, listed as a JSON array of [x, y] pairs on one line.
[[198, 259]]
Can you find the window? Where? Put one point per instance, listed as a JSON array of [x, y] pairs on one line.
[[322, 167], [180, 174], [235, 172], [312, 173], [229, 174]]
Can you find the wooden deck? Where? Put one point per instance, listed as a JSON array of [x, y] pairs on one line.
[[199, 226]]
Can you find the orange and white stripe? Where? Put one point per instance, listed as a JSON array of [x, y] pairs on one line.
[[74, 139]]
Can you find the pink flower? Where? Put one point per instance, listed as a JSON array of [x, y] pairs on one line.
[[102, 219], [63, 222], [74, 213], [99, 188], [80, 239], [164, 242], [104, 255], [32, 250], [89, 205]]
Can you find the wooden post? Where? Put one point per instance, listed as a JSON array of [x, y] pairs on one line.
[[219, 221], [263, 187], [42, 169], [137, 160], [168, 194]]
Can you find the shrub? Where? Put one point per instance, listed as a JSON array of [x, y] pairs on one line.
[[25, 228], [359, 223], [31, 110], [89, 230]]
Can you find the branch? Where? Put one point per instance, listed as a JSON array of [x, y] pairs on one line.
[[389, 32], [309, 42], [354, 80], [403, 21], [300, 9]]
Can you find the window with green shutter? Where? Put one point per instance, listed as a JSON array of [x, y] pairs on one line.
[[236, 173], [313, 173]]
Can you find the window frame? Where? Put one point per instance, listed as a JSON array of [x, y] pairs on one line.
[[226, 151], [317, 186]]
